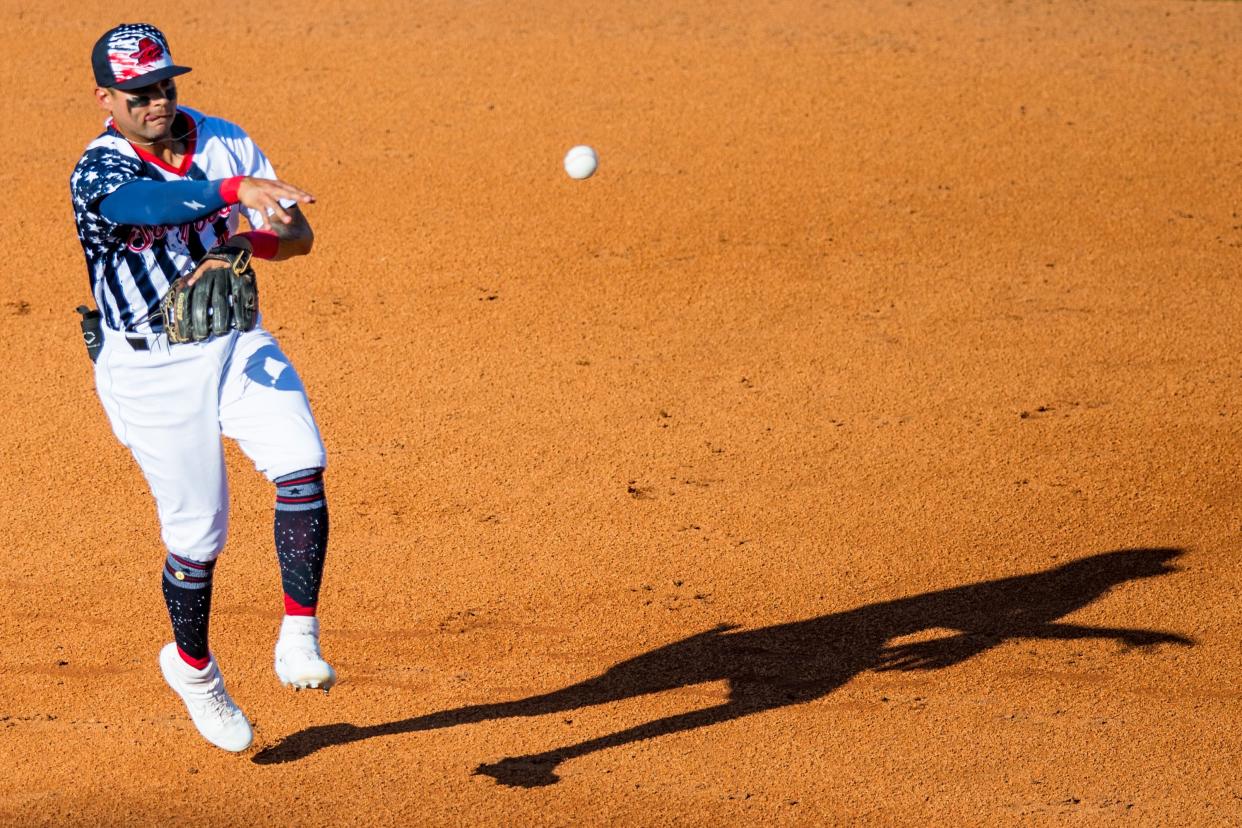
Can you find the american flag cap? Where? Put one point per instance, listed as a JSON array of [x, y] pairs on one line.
[[133, 55]]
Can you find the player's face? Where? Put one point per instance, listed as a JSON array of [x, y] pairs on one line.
[[145, 113]]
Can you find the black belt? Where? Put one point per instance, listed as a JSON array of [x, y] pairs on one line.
[[138, 343]]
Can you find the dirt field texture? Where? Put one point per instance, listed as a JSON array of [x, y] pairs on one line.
[[857, 446]]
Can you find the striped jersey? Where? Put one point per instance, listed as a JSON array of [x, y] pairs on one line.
[[131, 266]]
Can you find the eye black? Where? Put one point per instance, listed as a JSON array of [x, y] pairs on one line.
[[167, 89]]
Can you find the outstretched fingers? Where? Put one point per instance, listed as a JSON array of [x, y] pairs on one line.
[[265, 195]]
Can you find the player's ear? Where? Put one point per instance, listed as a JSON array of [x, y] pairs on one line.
[[104, 98]]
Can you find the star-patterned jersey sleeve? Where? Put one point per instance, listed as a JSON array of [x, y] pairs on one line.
[[99, 173]]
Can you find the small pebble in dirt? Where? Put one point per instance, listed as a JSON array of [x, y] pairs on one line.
[[639, 492]]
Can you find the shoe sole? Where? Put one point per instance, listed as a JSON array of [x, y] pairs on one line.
[[318, 681]]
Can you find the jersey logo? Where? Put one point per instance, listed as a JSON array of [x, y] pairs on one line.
[[142, 237]]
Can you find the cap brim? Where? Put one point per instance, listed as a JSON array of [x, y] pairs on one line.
[[151, 77]]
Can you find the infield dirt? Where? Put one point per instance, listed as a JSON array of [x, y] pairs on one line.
[[858, 445]]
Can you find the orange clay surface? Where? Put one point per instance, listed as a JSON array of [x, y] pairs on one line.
[[859, 445]]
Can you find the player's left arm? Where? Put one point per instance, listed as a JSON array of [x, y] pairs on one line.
[[286, 233], [280, 240], [279, 227], [296, 238]]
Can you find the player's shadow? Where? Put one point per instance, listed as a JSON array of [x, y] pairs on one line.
[[798, 662]]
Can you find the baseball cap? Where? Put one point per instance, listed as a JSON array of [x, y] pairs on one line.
[[133, 55]]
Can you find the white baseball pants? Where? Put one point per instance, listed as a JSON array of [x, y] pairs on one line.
[[171, 404]]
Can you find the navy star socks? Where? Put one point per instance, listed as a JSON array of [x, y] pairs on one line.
[[301, 528], [187, 592]]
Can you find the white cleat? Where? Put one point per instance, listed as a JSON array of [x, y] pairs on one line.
[[211, 708], [298, 662]]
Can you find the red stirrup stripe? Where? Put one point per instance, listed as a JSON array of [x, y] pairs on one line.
[[307, 499], [196, 663], [292, 607], [286, 483], [186, 562]]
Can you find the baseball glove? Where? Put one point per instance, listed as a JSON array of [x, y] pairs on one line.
[[222, 297]]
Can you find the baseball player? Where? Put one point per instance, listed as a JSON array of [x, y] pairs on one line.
[[157, 197]]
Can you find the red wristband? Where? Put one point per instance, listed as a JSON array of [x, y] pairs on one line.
[[263, 245], [229, 187]]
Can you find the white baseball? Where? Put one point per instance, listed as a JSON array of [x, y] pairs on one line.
[[580, 162]]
